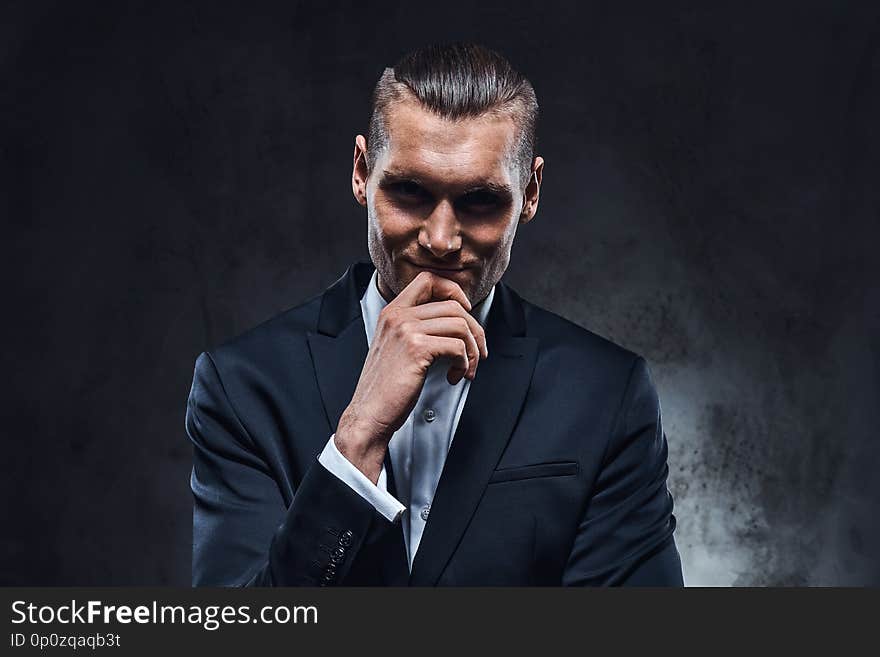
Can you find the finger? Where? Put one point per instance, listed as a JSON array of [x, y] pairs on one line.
[[454, 327], [453, 348], [449, 309], [430, 287]]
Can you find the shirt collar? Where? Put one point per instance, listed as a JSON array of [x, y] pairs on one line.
[[373, 302]]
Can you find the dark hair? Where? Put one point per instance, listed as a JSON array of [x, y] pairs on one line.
[[457, 81]]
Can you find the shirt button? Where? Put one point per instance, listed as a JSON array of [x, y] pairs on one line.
[[425, 511], [429, 415]]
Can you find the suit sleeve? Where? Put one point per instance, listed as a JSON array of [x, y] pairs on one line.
[[376, 494], [243, 533], [625, 537]]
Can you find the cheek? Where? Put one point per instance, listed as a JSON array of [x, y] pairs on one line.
[[391, 224], [492, 235]]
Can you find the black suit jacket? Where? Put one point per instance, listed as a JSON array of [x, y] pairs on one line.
[[556, 474]]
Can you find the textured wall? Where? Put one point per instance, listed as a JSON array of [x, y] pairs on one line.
[[172, 174]]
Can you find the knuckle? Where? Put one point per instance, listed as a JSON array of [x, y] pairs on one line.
[[391, 318], [414, 343]]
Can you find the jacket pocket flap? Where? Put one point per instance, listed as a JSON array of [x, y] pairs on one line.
[[557, 469]]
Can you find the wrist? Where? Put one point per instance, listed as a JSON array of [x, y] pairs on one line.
[[362, 444]]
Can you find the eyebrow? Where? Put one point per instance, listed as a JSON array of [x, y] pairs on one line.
[[389, 177]]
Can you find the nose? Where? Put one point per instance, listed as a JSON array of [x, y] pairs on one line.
[[439, 233]]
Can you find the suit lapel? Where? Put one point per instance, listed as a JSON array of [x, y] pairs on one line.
[[338, 362], [339, 346], [492, 407]]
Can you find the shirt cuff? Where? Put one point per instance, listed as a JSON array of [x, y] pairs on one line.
[[376, 494]]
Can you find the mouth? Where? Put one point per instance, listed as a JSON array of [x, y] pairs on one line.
[[453, 274], [438, 270]]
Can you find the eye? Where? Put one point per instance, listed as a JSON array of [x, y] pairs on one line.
[[480, 201], [407, 189]]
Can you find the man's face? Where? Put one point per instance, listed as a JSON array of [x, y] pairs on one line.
[[443, 196]]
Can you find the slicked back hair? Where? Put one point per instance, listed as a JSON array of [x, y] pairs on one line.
[[457, 81]]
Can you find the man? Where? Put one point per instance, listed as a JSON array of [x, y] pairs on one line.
[[419, 423]]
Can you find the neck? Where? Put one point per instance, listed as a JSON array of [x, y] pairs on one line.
[[384, 290]]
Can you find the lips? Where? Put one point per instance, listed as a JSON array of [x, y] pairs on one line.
[[435, 268], [438, 269]]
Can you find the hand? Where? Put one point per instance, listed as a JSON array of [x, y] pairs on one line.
[[429, 319]]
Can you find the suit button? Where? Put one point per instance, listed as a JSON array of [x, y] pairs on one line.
[[330, 570], [429, 415], [345, 539], [338, 552]]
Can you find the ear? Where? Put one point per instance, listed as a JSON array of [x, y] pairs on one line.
[[359, 170], [532, 191]]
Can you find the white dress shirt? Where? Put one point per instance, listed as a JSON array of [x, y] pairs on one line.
[[418, 449]]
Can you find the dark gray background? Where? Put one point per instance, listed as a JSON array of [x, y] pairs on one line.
[[173, 174]]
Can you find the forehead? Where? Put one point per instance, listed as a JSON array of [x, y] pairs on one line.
[[427, 146]]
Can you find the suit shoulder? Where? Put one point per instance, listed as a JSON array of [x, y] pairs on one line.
[[580, 359], [575, 341], [283, 333]]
